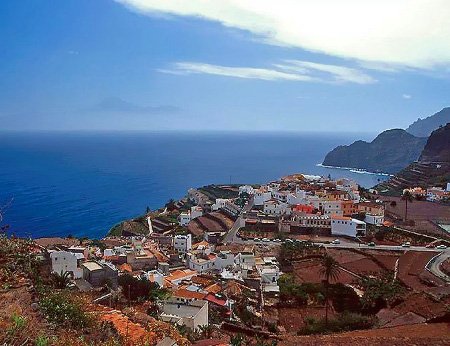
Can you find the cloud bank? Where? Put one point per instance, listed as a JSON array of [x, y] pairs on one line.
[[414, 33], [288, 70]]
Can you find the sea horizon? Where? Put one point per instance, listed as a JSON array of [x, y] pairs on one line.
[[84, 182]]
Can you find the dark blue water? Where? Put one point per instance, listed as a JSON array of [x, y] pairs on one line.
[[84, 183]]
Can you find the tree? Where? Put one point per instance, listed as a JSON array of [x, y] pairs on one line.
[[207, 331], [330, 271], [379, 292], [60, 280], [237, 340], [407, 197]]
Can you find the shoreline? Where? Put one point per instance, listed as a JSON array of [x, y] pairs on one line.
[[355, 170]]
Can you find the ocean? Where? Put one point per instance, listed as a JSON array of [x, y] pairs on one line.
[[82, 183]]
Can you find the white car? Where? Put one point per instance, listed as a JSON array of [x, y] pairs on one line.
[[265, 240], [407, 244], [336, 241], [256, 240], [441, 247]]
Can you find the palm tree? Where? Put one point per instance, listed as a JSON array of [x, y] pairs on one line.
[[407, 197], [60, 280], [330, 271]]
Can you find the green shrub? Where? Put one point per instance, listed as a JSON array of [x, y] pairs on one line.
[[61, 309], [42, 341], [344, 322], [18, 322]]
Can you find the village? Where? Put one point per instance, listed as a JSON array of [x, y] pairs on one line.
[[298, 256]]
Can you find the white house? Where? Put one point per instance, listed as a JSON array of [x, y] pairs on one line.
[[316, 201], [192, 314], [261, 195], [224, 259], [155, 276], [269, 278], [246, 189], [65, 261], [219, 204], [374, 219], [347, 226], [332, 208], [275, 207], [196, 211], [294, 199], [184, 218], [200, 263], [246, 257], [280, 195], [182, 243]]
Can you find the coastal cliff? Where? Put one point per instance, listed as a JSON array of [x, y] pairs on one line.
[[432, 168], [389, 152]]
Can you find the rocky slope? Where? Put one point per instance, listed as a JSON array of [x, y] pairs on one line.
[[389, 152], [437, 148], [433, 167], [424, 127]]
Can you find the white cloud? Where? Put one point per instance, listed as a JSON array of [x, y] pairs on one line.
[[339, 73], [238, 72], [290, 70], [412, 33], [406, 96]]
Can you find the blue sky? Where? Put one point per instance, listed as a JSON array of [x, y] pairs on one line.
[[222, 65]]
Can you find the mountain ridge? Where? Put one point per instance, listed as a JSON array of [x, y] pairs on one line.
[[424, 127], [389, 152], [432, 168]]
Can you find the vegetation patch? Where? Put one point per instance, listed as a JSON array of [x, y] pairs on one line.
[[346, 321]]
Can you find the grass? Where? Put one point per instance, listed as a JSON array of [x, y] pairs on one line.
[[343, 322]]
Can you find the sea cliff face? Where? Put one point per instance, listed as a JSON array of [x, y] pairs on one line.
[[433, 167], [389, 152], [437, 148]]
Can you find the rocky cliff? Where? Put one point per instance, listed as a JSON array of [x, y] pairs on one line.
[[433, 167], [389, 152]]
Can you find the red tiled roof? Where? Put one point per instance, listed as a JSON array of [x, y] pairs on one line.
[[213, 299], [214, 288], [125, 268], [184, 293]]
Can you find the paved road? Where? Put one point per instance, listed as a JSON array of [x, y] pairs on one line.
[[434, 265], [231, 237]]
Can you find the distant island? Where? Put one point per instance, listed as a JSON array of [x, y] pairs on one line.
[[392, 150]]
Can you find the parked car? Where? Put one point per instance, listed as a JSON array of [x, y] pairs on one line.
[[265, 240], [256, 240], [441, 247], [288, 240], [371, 244], [277, 240], [336, 241], [407, 244]]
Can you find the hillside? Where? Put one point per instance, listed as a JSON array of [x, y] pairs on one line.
[[424, 127], [433, 167], [437, 148], [389, 152]]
